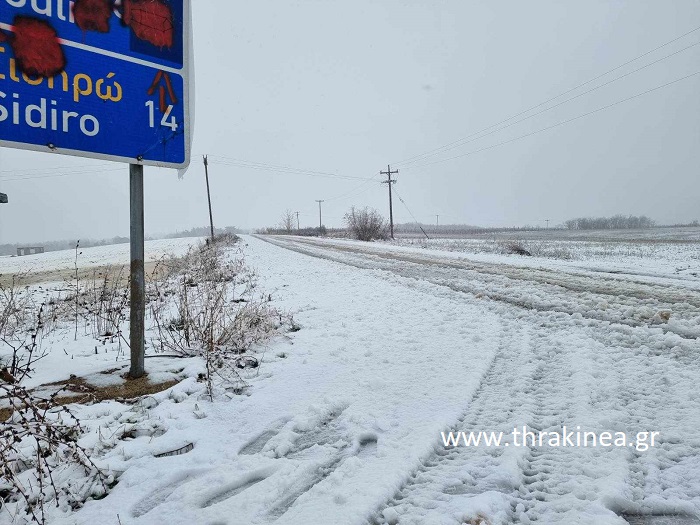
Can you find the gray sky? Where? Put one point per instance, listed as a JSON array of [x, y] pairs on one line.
[[345, 87]]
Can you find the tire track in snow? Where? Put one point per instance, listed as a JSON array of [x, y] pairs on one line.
[[449, 473], [667, 478], [553, 477], [617, 301]]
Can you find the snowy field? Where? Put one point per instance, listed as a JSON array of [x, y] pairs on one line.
[[669, 259], [670, 233], [396, 343], [91, 257]]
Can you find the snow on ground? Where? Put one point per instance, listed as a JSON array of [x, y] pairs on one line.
[[82, 355], [341, 423], [644, 235], [93, 256], [654, 258]]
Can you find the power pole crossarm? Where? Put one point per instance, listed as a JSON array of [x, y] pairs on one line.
[[389, 181]]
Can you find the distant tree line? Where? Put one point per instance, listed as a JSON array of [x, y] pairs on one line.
[[616, 222], [304, 232]]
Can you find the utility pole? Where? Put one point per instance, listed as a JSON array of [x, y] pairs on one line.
[[206, 175], [437, 221], [320, 222], [298, 228], [390, 181], [547, 221]]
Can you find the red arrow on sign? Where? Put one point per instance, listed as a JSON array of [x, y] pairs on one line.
[[164, 85]]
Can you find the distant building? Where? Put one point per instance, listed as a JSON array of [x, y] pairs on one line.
[[30, 250]]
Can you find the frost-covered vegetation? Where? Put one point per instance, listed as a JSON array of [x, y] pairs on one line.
[[203, 307]]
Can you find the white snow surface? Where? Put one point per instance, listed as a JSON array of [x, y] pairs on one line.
[[93, 256], [341, 423]]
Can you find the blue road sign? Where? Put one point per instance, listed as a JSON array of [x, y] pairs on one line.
[[97, 78]]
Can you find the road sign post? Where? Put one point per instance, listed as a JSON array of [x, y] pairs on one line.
[[138, 278], [104, 80]]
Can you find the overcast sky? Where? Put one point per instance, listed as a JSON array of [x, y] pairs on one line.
[[345, 87]]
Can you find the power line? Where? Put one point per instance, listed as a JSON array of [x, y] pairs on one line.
[[450, 145], [278, 169], [91, 171], [557, 124], [358, 190], [412, 216], [464, 141], [54, 168]]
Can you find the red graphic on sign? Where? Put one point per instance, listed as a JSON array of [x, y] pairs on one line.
[[36, 47], [92, 15], [164, 85], [150, 20]]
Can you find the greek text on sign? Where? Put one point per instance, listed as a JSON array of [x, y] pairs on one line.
[[105, 79]]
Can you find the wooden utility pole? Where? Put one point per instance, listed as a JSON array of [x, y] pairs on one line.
[[298, 228], [390, 181], [206, 175], [437, 221], [547, 221], [320, 222]]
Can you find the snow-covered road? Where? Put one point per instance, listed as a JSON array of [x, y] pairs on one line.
[[343, 422], [574, 349]]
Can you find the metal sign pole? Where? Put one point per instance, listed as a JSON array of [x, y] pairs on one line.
[[138, 280]]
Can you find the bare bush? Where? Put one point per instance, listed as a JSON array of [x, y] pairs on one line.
[[39, 439], [206, 306], [22, 328], [38, 435], [287, 221], [107, 302], [366, 224]]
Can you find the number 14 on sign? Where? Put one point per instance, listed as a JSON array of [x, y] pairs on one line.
[[168, 121]]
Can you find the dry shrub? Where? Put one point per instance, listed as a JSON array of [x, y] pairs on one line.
[[206, 305], [366, 224], [38, 436], [38, 443]]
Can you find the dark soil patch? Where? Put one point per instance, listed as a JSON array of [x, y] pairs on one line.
[[77, 390]]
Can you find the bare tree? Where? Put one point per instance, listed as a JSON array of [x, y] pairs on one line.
[[287, 222], [366, 224]]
